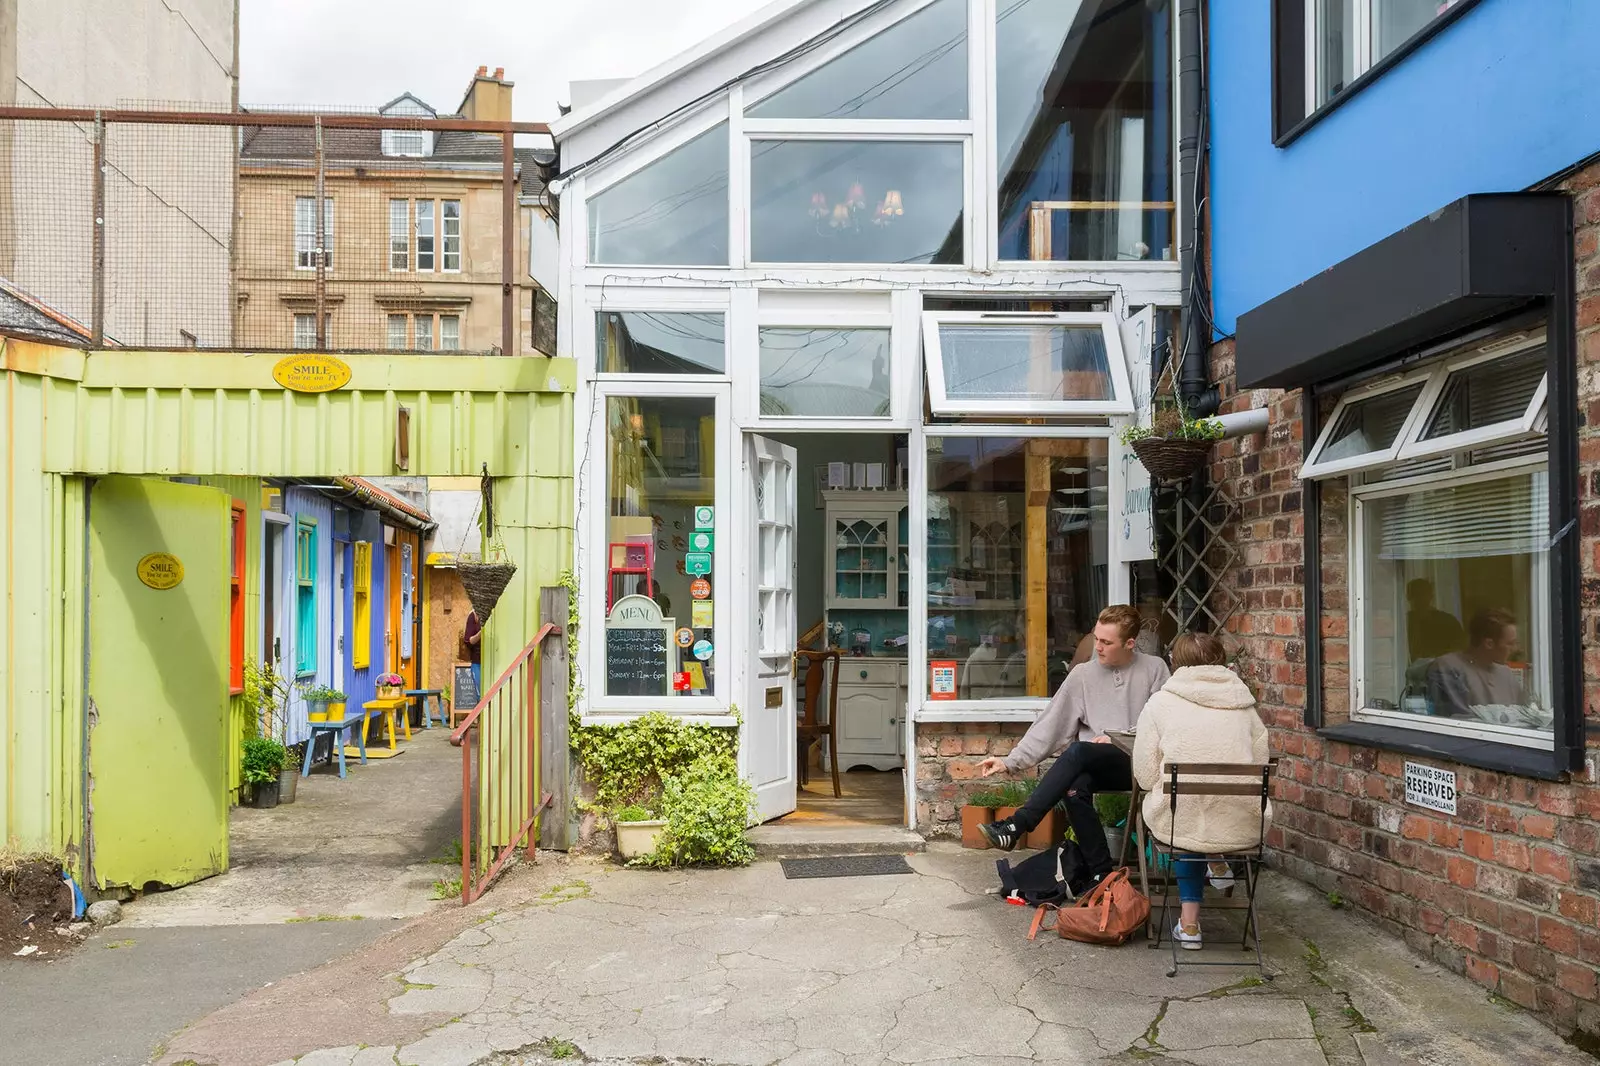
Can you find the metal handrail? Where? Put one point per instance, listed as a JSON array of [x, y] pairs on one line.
[[547, 630]]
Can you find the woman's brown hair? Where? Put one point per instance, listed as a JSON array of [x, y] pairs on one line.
[[1198, 649]]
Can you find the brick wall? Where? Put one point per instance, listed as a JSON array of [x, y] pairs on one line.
[[947, 758], [1508, 890]]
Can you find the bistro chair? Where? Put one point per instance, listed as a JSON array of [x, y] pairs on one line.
[[1224, 779], [811, 727]]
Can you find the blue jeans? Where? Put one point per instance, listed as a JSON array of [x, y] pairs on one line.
[[477, 676], [1190, 872]]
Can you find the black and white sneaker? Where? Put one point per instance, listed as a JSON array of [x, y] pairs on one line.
[[1003, 835]]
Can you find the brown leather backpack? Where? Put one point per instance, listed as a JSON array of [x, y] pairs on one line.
[[1110, 914]]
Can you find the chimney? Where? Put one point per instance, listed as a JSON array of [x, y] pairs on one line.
[[488, 98]]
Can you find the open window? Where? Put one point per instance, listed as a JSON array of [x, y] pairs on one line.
[[1008, 363]]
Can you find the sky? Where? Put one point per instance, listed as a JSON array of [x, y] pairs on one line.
[[362, 53]]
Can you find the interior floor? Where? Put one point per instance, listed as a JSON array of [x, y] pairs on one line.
[[870, 797]]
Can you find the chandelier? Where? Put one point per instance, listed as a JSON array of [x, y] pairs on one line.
[[845, 216]]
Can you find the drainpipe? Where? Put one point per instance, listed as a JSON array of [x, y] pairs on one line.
[[1199, 398]]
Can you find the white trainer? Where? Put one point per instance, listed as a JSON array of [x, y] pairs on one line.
[[1220, 874], [1187, 938]]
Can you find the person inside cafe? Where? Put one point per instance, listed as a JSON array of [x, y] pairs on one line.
[[472, 647], [1478, 676], [1103, 695], [1204, 713], [1430, 632]]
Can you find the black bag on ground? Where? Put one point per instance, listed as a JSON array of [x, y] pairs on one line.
[[1050, 876]]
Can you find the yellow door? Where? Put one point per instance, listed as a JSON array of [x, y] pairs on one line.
[[158, 681]]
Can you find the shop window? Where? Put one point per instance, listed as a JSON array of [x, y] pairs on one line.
[[671, 212], [361, 606], [1016, 555], [824, 373], [915, 69], [660, 342], [660, 479], [1084, 130], [305, 575], [236, 569], [1018, 364], [857, 201]]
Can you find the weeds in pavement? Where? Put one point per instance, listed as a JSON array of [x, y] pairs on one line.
[[450, 889]]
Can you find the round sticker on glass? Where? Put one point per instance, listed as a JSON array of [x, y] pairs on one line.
[[684, 637], [700, 588], [702, 650]]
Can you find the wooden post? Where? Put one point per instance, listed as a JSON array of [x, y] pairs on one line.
[[554, 742], [97, 312], [508, 224], [1036, 565]]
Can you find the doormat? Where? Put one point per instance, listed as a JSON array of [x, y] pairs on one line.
[[845, 866]]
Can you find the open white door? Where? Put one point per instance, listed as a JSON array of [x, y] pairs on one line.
[[769, 717]]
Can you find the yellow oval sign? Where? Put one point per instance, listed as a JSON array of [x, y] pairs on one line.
[[311, 373], [160, 570]]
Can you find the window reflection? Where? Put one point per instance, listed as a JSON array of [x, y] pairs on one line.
[[825, 373], [660, 342], [1084, 129], [672, 212]]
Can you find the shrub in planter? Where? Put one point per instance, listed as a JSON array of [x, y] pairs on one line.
[[1113, 810], [637, 830], [978, 809], [261, 760], [706, 807], [326, 704]]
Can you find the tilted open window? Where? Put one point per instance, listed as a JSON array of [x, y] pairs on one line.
[[1027, 363]]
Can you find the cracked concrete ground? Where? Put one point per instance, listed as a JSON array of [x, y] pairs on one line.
[[587, 962]]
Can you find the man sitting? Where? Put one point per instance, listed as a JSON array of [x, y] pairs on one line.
[[1104, 694], [1479, 676]]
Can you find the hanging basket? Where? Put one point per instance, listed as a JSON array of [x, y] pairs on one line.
[[1172, 459], [484, 581]]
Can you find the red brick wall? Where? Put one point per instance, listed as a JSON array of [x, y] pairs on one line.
[[947, 760], [1507, 891]]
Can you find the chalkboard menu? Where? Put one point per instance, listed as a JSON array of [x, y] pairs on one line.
[[465, 692], [637, 662]]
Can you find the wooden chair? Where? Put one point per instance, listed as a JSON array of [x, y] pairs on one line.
[[811, 729], [1227, 779]]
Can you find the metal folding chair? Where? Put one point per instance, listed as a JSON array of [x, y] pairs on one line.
[[1247, 779]]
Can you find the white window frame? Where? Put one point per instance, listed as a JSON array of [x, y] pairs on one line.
[[445, 344], [842, 319], [716, 709], [1315, 467], [305, 340], [661, 301], [419, 138], [389, 323], [1362, 53], [446, 237], [422, 329], [430, 236], [1356, 540], [400, 240], [940, 403], [305, 244]]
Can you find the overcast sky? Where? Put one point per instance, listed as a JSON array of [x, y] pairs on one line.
[[361, 53]]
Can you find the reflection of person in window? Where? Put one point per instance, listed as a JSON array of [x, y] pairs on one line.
[[1479, 676], [985, 676], [1430, 632]]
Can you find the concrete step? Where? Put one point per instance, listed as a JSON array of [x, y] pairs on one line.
[[778, 841]]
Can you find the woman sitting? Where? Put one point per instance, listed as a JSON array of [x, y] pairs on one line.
[[1204, 713]]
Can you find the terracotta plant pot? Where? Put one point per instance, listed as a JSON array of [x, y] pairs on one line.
[[1048, 833], [971, 818]]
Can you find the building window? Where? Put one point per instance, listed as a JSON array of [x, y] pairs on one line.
[[449, 333], [424, 235], [399, 234], [544, 321], [1016, 544], [422, 327], [305, 233], [1084, 134], [407, 143], [361, 606], [236, 571], [671, 212], [305, 331], [897, 202], [824, 373], [1067, 363], [450, 212], [397, 332], [1451, 616], [305, 574], [660, 471], [660, 342]]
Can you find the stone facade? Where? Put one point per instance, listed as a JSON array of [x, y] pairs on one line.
[[1508, 890]]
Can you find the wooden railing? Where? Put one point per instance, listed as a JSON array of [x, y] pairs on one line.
[[501, 797]]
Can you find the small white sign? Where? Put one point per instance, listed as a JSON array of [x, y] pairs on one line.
[[1431, 787]]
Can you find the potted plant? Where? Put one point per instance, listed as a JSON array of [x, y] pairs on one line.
[[390, 686], [978, 809], [1113, 810], [261, 762], [637, 830], [324, 704], [1051, 828], [267, 697], [1173, 446]]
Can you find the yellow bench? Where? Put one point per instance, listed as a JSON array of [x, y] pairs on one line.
[[389, 708]]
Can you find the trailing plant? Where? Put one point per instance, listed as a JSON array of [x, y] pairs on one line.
[[322, 694], [1173, 423], [706, 806], [569, 581], [631, 762], [632, 812], [261, 760]]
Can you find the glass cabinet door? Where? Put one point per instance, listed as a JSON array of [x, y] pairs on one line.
[[902, 551], [861, 559]]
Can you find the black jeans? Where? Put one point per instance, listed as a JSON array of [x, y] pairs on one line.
[[1082, 770]]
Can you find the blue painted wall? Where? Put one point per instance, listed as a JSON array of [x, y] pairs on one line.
[[360, 684], [1504, 97], [304, 503]]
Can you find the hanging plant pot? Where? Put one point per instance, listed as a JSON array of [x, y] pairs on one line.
[[484, 581], [1172, 459]]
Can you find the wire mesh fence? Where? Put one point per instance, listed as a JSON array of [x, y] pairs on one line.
[[202, 230]]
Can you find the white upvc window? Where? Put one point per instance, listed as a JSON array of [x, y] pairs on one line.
[[397, 332], [450, 214], [1025, 363], [399, 234], [1490, 393], [305, 331], [425, 254], [422, 327], [449, 333], [305, 232], [1346, 38]]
